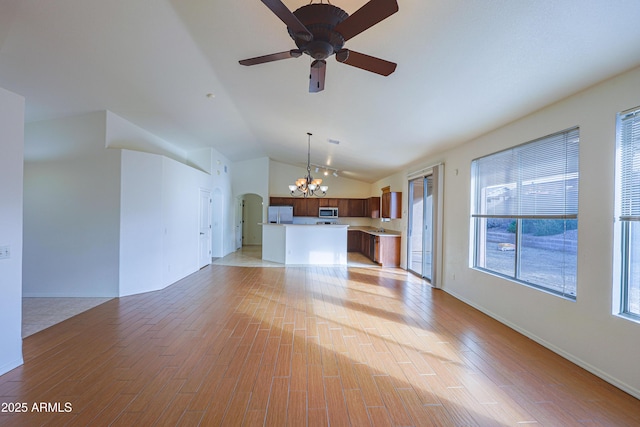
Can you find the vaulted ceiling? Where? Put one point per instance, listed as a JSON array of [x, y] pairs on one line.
[[465, 67]]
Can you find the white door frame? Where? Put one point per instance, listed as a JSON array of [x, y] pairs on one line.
[[204, 228]]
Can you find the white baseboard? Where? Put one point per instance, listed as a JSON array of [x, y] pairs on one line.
[[10, 366], [572, 358]]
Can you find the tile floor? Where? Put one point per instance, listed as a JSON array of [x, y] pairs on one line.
[[251, 256], [41, 313]]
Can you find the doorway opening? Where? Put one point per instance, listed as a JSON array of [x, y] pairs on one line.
[[249, 216], [425, 229]]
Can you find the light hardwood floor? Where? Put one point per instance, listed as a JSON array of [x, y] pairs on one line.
[[300, 346]]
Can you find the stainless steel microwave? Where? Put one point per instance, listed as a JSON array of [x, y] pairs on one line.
[[326, 212]]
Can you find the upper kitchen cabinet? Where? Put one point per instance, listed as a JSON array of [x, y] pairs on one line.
[[328, 202], [357, 207], [313, 206], [347, 207], [391, 204], [372, 207], [305, 206], [343, 208], [280, 201]]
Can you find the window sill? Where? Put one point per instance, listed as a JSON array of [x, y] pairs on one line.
[[627, 316], [567, 297]]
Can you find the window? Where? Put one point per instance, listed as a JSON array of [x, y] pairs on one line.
[[628, 201], [525, 213]]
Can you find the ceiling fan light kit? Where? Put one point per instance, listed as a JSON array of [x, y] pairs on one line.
[[321, 30]]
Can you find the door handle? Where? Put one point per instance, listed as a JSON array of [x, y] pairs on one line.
[[201, 233]]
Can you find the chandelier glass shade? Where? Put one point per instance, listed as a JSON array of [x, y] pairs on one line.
[[308, 186]]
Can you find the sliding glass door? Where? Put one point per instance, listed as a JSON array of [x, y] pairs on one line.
[[420, 235]]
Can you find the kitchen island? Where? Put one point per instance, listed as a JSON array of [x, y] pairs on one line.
[[303, 244]]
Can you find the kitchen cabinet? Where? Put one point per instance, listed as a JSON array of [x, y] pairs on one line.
[[354, 241], [366, 245], [372, 207], [343, 208], [312, 207], [379, 248], [347, 207], [392, 205], [280, 201], [305, 206], [356, 207], [387, 251], [328, 202], [301, 206]]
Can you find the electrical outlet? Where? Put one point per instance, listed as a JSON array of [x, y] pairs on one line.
[[5, 252]]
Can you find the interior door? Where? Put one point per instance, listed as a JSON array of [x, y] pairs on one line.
[[205, 228]]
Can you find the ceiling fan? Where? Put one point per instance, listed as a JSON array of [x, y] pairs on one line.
[[320, 30]]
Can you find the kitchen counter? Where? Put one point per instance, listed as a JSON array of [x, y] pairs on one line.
[[301, 244], [380, 246], [376, 231]]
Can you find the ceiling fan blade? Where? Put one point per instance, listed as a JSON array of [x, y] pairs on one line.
[[366, 62], [366, 17], [316, 77], [290, 20], [294, 53]]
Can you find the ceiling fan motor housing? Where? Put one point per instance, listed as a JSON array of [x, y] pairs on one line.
[[320, 19]]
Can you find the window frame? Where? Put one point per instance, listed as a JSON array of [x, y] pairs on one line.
[[479, 221], [624, 221]]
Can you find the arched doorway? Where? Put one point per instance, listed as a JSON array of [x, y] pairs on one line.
[[249, 216]]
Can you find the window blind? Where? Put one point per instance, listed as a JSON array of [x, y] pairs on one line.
[[630, 165], [539, 178]]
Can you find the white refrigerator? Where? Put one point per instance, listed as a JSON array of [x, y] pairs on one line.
[[280, 214]]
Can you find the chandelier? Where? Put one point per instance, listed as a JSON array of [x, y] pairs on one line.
[[308, 186]]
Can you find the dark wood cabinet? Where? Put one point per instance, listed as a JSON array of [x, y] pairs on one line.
[[387, 250], [367, 245], [347, 207], [372, 207], [280, 201], [304, 206], [328, 202], [343, 208], [392, 205], [312, 207], [356, 207], [299, 208], [383, 250], [354, 241]]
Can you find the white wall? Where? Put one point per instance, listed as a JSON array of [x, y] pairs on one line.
[[159, 221], [253, 177], [250, 185], [11, 169], [104, 221], [222, 196], [584, 331], [141, 224], [281, 175], [181, 209], [121, 133], [71, 209]]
